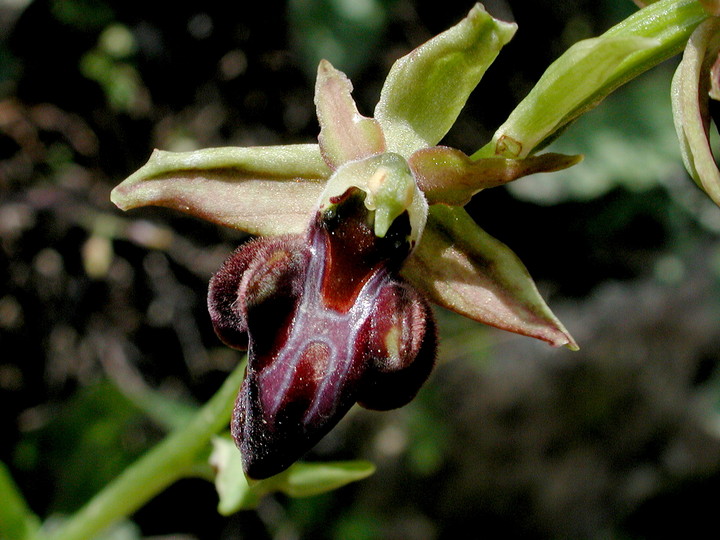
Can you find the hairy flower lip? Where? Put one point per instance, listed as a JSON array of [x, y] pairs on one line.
[[231, 280], [321, 334]]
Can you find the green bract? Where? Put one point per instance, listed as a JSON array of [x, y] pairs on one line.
[[590, 70], [300, 480]]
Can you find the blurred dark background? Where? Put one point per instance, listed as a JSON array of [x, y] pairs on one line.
[[106, 342]]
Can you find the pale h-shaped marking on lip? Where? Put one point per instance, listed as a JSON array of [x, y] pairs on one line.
[[315, 323]]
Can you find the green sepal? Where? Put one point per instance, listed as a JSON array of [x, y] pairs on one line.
[[263, 190], [448, 176], [300, 480], [426, 89], [462, 268]]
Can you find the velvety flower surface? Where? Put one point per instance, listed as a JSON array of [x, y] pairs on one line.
[[329, 323], [356, 233]]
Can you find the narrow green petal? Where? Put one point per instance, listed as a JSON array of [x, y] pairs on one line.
[[262, 190], [345, 135], [448, 176], [462, 268], [690, 106], [426, 89], [589, 70]]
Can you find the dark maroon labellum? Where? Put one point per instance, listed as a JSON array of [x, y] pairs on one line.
[[327, 323]]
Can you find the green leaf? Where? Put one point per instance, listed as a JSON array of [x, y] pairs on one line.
[[462, 268], [261, 190], [690, 88], [17, 522], [446, 175], [300, 480], [308, 479], [591, 69], [345, 135], [122, 530], [426, 89], [85, 438]]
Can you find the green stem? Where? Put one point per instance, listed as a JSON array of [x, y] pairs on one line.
[[169, 461]]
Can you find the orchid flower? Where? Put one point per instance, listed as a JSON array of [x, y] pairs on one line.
[[356, 235]]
